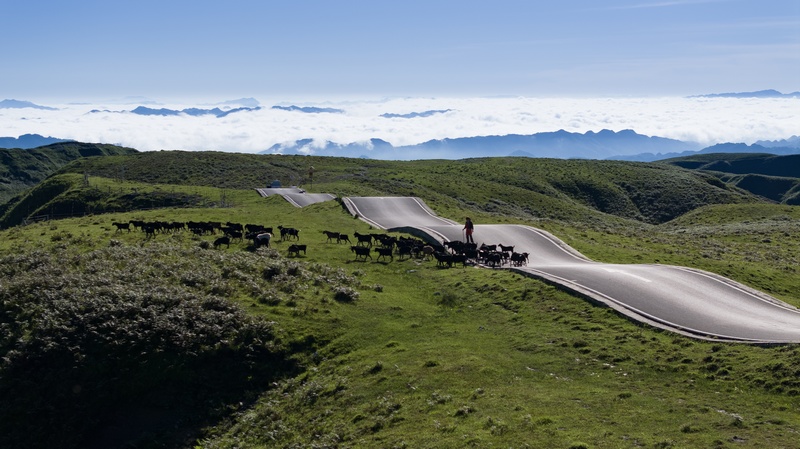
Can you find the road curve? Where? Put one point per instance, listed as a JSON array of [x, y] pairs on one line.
[[684, 300], [296, 196]]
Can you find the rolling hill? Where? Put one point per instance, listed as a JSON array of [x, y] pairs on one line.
[[771, 176], [523, 188], [22, 169]]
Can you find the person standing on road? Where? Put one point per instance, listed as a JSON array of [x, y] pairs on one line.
[[468, 228]]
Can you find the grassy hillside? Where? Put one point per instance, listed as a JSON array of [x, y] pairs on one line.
[[22, 169], [776, 178], [386, 354], [742, 163], [70, 195], [519, 188]]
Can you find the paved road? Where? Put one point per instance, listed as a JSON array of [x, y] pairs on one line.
[[684, 300], [296, 196]]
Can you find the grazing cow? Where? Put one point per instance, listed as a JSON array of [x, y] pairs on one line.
[[384, 252], [443, 259], [331, 236], [471, 255], [427, 252], [224, 240], [361, 252], [458, 258], [235, 226], [294, 249], [404, 250], [383, 239], [261, 239], [455, 246], [519, 259], [254, 228], [121, 226], [365, 239], [506, 249], [149, 230], [234, 235], [486, 247], [287, 233], [493, 259]]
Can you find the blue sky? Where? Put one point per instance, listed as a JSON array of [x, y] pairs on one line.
[[295, 49]]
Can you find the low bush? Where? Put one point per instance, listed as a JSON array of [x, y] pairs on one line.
[[86, 338]]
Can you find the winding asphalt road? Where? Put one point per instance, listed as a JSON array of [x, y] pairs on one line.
[[295, 195], [684, 300]]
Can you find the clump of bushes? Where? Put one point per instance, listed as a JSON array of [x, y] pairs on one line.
[[87, 337]]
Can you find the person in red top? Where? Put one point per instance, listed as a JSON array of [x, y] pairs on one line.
[[468, 228]]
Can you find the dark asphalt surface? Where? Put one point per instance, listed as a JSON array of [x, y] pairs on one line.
[[296, 196], [684, 300]]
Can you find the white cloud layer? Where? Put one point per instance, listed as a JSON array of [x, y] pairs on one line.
[[704, 120]]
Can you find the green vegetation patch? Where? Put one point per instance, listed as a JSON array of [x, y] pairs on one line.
[[106, 338]]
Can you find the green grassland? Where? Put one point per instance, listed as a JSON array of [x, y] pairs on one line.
[[776, 178], [22, 169], [320, 350]]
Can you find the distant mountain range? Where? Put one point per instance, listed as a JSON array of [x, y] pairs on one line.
[[195, 112], [28, 141], [416, 114], [624, 145], [769, 93], [790, 146], [309, 109], [16, 104], [559, 144]]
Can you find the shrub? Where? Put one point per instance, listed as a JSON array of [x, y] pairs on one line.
[[345, 294], [86, 338]]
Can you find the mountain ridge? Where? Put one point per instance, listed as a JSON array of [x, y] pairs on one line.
[[29, 141], [559, 144], [767, 93]]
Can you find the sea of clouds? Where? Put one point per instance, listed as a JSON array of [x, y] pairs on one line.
[[411, 120]]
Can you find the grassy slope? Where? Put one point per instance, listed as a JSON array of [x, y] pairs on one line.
[[522, 188], [776, 178], [23, 169], [465, 357], [742, 163]]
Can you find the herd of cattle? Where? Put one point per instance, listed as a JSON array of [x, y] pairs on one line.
[[227, 232], [363, 246]]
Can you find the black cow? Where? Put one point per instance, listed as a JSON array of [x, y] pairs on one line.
[[224, 240], [384, 252], [365, 239], [331, 236], [121, 226], [519, 259], [361, 252], [287, 233], [294, 249]]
